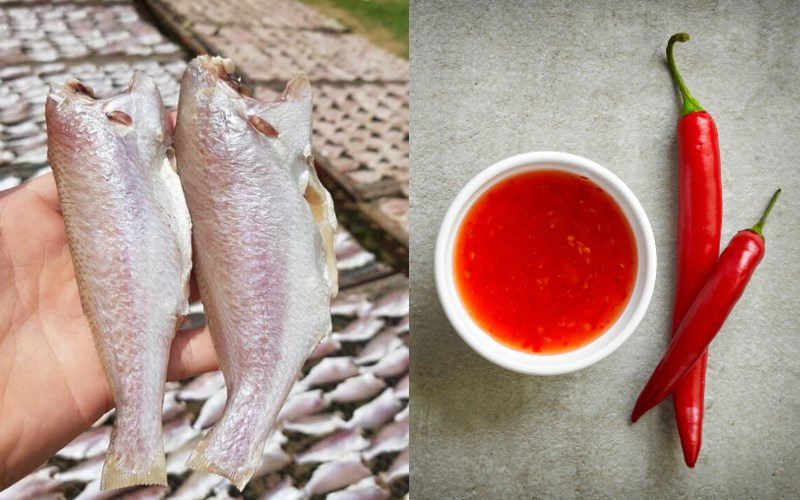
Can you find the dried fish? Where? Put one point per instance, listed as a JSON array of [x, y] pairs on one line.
[[212, 410], [284, 490], [248, 175], [172, 408], [401, 388], [333, 447], [148, 493], [402, 414], [125, 217], [393, 305], [273, 458], [350, 255], [198, 485], [402, 326], [93, 491], [35, 485], [303, 404], [366, 489], [377, 412], [363, 386], [392, 365], [202, 387], [399, 467], [317, 425], [360, 330], [176, 461], [179, 432], [378, 347], [325, 348], [390, 439], [83, 472], [354, 304], [330, 370], [91, 443], [335, 475]]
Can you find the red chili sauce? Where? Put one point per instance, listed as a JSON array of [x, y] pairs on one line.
[[545, 261]]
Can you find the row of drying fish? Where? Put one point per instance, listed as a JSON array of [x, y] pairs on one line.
[[333, 440], [238, 185]]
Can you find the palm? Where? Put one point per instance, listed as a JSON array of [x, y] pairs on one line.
[[52, 384]]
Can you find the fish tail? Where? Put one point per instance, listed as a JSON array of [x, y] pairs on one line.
[[122, 470], [212, 455], [233, 447]]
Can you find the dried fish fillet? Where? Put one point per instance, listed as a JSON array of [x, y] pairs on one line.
[[264, 229], [129, 234]]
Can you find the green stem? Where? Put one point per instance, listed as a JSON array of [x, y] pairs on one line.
[[760, 225], [690, 104]]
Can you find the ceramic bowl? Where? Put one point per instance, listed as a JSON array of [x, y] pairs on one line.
[[615, 335]]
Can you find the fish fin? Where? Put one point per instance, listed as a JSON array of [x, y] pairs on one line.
[[321, 203], [116, 475], [201, 460], [180, 223]]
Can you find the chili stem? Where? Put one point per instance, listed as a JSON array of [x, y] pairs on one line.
[[690, 104], [760, 225]]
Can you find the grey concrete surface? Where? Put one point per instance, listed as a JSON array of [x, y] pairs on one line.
[[500, 78]]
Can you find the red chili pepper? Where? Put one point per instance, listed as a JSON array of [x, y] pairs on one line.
[[706, 314], [699, 228]]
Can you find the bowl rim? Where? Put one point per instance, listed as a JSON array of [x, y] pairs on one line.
[[466, 327]]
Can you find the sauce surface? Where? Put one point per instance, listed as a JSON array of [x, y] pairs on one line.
[[545, 261]]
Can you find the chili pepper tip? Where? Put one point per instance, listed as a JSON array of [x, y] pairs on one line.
[[759, 227]]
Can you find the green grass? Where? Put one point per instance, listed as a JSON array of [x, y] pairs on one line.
[[384, 22]]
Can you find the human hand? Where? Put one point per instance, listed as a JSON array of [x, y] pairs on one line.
[[52, 384]]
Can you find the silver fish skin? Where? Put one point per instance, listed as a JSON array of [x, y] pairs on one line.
[[129, 235], [263, 232]]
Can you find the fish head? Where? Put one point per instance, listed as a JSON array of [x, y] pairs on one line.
[[215, 103], [289, 117], [134, 120]]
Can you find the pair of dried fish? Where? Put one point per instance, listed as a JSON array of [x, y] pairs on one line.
[[263, 228]]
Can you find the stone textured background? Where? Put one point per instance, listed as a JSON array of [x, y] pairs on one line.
[[493, 80]]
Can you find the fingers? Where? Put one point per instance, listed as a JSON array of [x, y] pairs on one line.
[[192, 353], [44, 188]]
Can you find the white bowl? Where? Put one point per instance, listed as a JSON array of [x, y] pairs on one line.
[[602, 346]]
